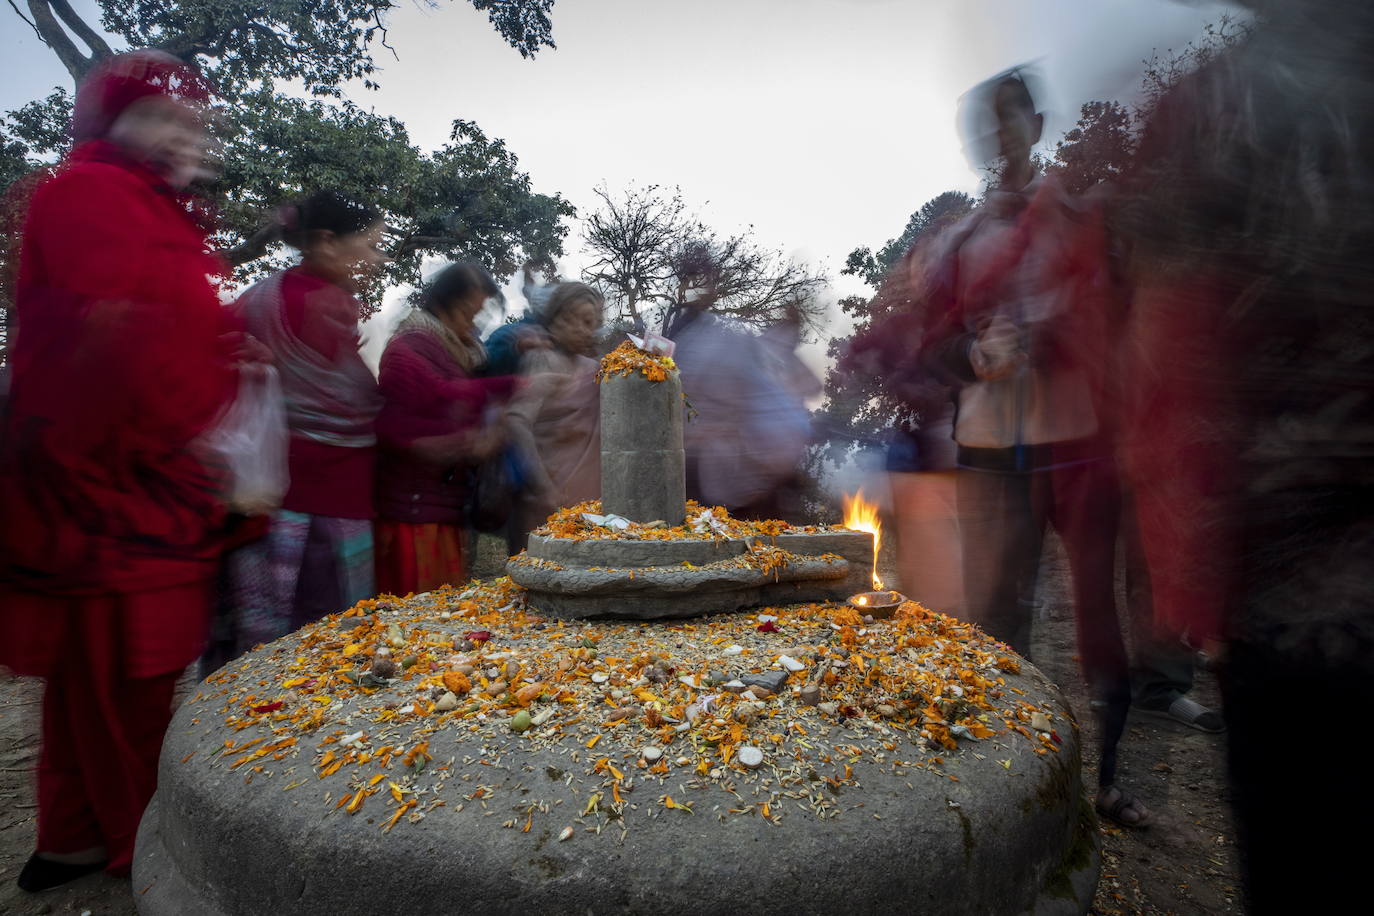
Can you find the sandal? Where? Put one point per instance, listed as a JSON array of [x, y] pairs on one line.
[[1189, 712], [1123, 802]]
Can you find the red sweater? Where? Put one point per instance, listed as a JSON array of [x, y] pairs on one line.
[[326, 479], [426, 394]]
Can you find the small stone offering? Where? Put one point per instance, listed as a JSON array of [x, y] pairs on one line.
[[769, 680]]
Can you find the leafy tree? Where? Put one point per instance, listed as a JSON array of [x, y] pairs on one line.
[[871, 268], [649, 255], [467, 198], [240, 43], [1098, 148], [860, 406]]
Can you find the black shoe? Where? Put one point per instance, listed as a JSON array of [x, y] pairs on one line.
[[42, 874]]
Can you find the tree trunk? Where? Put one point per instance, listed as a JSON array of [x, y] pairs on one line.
[[45, 19]]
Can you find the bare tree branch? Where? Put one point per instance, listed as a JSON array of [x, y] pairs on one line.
[[377, 17], [20, 13], [649, 256]]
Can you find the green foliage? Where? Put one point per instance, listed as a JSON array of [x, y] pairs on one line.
[[322, 43], [14, 157], [871, 268], [1163, 71], [859, 406], [467, 199], [1098, 148], [41, 125]]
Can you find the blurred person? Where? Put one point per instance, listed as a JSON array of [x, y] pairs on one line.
[[317, 557], [747, 432], [435, 424], [1163, 666], [111, 516], [509, 341], [920, 455], [555, 421], [1250, 212], [1023, 333], [781, 341]]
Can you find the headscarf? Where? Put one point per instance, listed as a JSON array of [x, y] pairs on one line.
[[469, 355], [117, 82], [333, 401], [562, 295]]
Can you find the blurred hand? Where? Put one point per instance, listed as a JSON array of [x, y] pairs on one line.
[[997, 352], [245, 348], [488, 442]]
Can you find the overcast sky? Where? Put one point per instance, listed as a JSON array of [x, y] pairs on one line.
[[821, 123]]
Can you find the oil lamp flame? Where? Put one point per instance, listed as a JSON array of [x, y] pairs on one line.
[[863, 516]]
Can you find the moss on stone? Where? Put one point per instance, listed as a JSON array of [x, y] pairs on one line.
[[968, 834], [1077, 856]]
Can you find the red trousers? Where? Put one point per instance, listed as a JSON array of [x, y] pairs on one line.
[[104, 716]]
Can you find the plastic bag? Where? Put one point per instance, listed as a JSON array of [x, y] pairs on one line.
[[251, 440]]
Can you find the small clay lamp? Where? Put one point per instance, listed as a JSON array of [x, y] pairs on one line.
[[878, 605]]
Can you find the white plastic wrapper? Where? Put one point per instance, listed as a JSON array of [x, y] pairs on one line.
[[251, 440]]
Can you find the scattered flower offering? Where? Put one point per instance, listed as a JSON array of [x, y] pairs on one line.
[[644, 719], [585, 521]]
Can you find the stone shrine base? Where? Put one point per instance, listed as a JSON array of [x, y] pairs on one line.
[[654, 579], [557, 767]]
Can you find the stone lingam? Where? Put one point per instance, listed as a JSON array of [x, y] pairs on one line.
[[651, 555], [466, 750]]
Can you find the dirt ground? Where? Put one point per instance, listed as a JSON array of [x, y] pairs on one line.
[[1185, 864]]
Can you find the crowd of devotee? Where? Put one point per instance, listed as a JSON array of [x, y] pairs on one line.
[[1172, 371]]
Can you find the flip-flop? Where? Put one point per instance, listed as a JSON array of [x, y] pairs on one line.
[[1124, 800], [1189, 712]]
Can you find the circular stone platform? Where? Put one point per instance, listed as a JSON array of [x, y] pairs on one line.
[[516, 764]]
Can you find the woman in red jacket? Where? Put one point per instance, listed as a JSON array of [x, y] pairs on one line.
[[431, 427], [110, 519], [317, 558]]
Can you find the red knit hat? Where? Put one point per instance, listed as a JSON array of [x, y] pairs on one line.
[[117, 82]]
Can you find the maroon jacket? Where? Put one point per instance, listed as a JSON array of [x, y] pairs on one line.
[[427, 393]]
